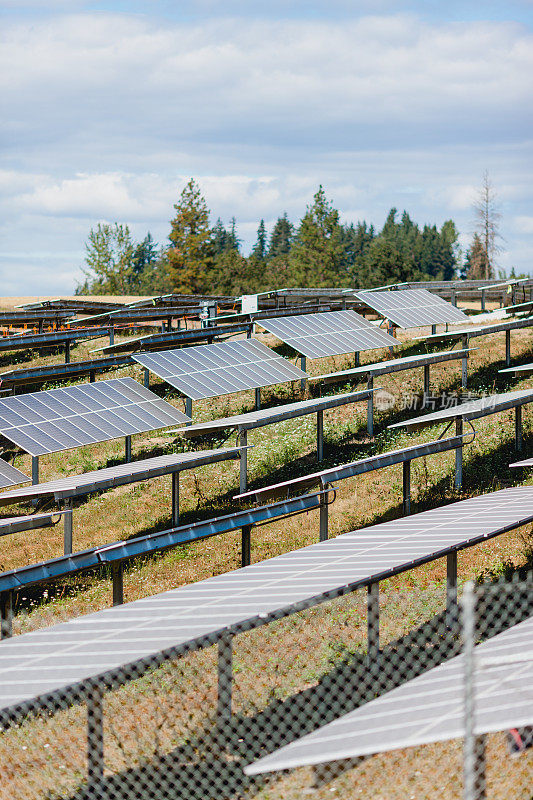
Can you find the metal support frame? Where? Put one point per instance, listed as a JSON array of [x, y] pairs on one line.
[[67, 351], [6, 615], [518, 428], [433, 330], [111, 335], [95, 741], [324, 515], [320, 435], [257, 398], [242, 441], [483, 299], [92, 376], [127, 448], [146, 378], [34, 470], [406, 487], [188, 409], [357, 358], [508, 348], [68, 526], [118, 583], [225, 685], [451, 590], [459, 455], [464, 373], [390, 330], [303, 367], [474, 758], [175, 499], [246, 542], [426, 385], [372, 616], [453, 298], [370, 407]]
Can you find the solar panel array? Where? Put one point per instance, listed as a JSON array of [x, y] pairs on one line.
[[427, 709], [474, 409], [10, 476], [397, 364], [412, 308], [60, 419], [330, 333], [215, 369], [35, 664]]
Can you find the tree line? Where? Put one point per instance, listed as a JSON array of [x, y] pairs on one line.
[[320, 251]]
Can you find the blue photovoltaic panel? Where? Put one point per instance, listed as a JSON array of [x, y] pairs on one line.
[[60, 419], [330, 333], [214, 369]]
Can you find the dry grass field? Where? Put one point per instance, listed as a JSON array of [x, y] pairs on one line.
[[45, 758]]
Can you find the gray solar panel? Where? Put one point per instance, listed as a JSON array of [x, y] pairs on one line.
[[427, 709], [475, 409], [522, 369], [79, 485], [412, 308], [10, 476], [328, 334], [36, 664], [396, 364], [215, 369], [26, 523], [60, 419]]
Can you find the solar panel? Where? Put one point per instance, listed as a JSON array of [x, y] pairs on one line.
[[328, 334], [26, 523], [396, 365], [482, 330], [79, 485], [41, 662], [60, 419], [527, 462], [215, 369], [522, 369], [427, 709], [412, 308], [473, 410], [10, 476]]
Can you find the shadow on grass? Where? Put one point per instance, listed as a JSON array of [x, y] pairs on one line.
[[210, 765]]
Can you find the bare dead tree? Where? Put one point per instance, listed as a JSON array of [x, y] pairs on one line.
[[487, 218]]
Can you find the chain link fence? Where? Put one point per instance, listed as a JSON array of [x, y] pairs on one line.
[[187, 723]]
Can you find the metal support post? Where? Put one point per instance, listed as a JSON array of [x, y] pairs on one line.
[[117, 572], [357, 358], [188, 409], [372, 605], [146, 378], [518, 428], [67, 352], [68, 527], [111, 335], [407, 488], [225, 685], [459, 455], [464, 373], [127, 448], [454, 298], [242, 439], [246, 555], [474, 777], [34, 470], [433, 330], [257, 399], [92, 376], [324, 521], [6, 615], [483, 299], [391, 333], [175, 499], [370, 407], [426, 385], [303, 367], [320, 435], [451, 590], [169, 324], [95, 741], [507, 348]]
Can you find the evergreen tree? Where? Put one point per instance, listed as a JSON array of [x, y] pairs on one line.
[[190, 255], [281, 238], [259, 250], [219, 236], [477, 263]]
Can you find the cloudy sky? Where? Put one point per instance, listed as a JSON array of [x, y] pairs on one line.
[[110, 107]]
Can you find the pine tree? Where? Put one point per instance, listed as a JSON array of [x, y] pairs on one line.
[[477, 263], [190, 255], [259, 250], [281, 238]]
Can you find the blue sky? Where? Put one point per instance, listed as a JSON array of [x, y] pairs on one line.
[[110, 107]]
